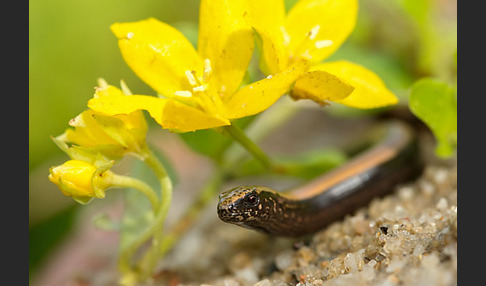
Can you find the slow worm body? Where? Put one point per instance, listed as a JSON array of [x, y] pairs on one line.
[[392, 160]]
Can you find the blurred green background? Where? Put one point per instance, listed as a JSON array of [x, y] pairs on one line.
[[71, 46]]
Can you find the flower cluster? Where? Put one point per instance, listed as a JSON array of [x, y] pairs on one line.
[[200, 89], [96, 141]]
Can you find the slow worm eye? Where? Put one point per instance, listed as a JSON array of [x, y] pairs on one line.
[[252, 199]]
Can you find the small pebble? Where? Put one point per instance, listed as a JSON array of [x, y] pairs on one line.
[[427, 188], [431, 260], [284, 260], [406, 193], [230, 282], [264, 282], [368, 273], [442, 204], [440, 176], [248, 274], [351, 263]]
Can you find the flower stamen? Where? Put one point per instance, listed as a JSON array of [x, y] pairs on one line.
[[323, 44], [183, 93], [200, 88], [303, 50], [286, 36], [190, 75], [207, 70], [313, 32]]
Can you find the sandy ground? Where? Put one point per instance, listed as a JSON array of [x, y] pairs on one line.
[[408, 238]]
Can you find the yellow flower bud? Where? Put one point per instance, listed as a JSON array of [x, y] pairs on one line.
[[80, 180]]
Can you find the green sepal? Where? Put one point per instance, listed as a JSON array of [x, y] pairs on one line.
[[82, 200]]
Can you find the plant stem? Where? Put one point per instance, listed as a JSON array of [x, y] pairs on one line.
[[238, 134], [155, 230], [192, 213], [130, 182], [166, 199]]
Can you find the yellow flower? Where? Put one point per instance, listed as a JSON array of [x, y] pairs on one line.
[[311, 31], [198, 89], [110, 135], [81, 180]]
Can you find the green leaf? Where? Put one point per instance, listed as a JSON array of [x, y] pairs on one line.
[[104, 222], [137, 216], [435, 103]]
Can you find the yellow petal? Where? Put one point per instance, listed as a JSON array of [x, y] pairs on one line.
[[108, 90], [369, 89], [268, 13], [267, 18], [320, 86], [168, 113], [118, 105], [226, 40], [184, 118], [87, 132], [317, 28], [159, 54], [260, 95], [133, 121]]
